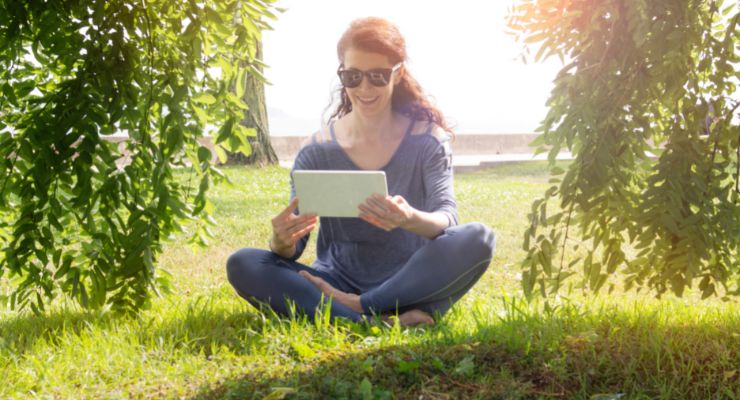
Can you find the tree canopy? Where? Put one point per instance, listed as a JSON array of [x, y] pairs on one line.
[[647, 103], [79, 214]]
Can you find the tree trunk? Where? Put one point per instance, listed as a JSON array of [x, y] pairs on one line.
[[256, 117]]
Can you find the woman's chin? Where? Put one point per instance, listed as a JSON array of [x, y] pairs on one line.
[[370, 109]]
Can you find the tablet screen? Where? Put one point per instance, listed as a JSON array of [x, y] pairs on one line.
[[336, 193]]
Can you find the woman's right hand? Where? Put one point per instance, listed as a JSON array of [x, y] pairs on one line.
[[288, 228]]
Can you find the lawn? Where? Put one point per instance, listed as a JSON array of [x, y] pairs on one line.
[[201, 341]]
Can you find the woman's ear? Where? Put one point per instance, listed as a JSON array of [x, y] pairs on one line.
[[398, 75]]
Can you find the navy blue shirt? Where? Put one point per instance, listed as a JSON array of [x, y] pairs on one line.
[[365, 256]]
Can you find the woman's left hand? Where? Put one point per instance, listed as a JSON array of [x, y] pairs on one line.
[[386, 212]]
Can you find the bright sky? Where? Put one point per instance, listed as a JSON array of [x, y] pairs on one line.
[[458, 52]]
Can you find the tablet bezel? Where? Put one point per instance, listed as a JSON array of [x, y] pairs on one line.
[[349, 189]]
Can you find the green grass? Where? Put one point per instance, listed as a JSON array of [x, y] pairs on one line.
[[201, 341]]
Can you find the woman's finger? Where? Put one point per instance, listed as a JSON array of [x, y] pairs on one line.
[[320, 284], [368, 218], [291, 207], [302, 232], [284, 231], [393, 213], [375, 222], [287, 211], [371, 210], [387, 219], [380, 203], [394, 204], [298, 221]]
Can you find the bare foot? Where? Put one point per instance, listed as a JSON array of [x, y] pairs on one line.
[[348, 299], [411, 318]]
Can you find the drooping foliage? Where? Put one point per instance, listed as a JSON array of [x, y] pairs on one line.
[[84, 216], [647, 102]]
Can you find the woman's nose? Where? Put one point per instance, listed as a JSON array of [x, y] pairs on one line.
[[365, 83]]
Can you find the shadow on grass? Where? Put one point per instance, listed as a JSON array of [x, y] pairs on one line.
[[198, 327], [459, 371], [568, 352], [21, 332], [569, 355]]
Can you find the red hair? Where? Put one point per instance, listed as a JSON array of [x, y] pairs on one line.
[[376, 35]]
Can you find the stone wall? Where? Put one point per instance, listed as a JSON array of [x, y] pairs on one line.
[[286, 147]]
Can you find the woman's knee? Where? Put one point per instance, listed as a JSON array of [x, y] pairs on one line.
[[480, 238], [243, 263]]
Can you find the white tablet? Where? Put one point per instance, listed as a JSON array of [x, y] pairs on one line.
[[336, 193]]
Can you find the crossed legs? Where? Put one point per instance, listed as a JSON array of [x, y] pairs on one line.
[[433, 279]]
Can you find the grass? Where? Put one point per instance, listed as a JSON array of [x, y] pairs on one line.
[[203, 342]]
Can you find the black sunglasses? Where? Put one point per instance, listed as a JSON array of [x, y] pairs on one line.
[[352, 77]]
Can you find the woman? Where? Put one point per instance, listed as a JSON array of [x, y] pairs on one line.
[[405, 254]]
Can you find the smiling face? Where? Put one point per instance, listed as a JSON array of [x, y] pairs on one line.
[[367, 99]]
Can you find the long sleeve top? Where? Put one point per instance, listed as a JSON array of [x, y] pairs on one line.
[[364, 256]]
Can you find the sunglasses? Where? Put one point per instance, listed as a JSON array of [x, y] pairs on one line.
[[352, 77]]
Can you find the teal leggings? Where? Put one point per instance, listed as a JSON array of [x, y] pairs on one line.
[[433, 279]]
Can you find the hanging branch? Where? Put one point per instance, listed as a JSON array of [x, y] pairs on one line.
[[99, 79], [641, 57]]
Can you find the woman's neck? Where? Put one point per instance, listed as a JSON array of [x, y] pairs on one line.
[[375, 127]]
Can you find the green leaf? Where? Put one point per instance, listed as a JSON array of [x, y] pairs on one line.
[[204, 154], [279, 393], [236, 102], [556, 171], [204, 98], [536, 37], [226, 132], [241, 81], [200, 114], [247, 132], [594, 275], [221, 154], [64, 269], [84, 300], [466, 366], [406, 367], [303, 350], [607, 396], [366, 389]]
